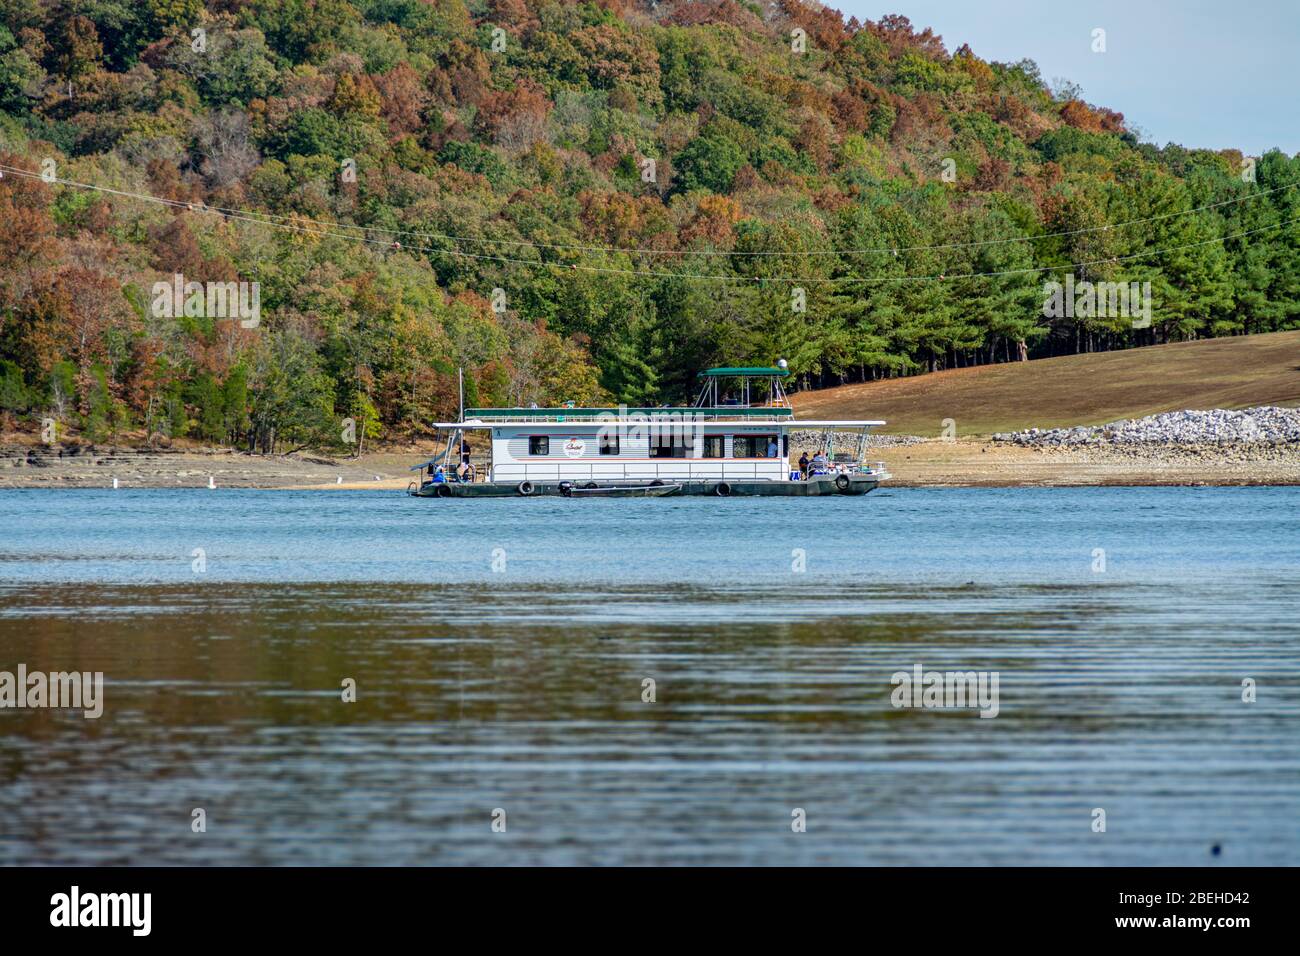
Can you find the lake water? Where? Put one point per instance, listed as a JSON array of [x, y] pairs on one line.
[[500, 650]]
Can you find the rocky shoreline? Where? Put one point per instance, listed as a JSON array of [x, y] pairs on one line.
[[92, 466], [811, 439], [1261, 428]]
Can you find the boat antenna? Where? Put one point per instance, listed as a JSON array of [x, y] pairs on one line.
[[460, 390]]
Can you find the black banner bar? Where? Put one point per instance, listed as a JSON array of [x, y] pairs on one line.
[[331, 906]]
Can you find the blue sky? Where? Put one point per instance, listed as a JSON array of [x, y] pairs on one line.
[[1214, 75]]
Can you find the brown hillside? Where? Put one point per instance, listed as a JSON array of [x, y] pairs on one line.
[[1092, 389]]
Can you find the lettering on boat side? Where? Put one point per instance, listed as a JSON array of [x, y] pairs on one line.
[[946, 690]]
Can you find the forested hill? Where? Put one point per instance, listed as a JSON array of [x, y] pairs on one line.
[[585, 202]]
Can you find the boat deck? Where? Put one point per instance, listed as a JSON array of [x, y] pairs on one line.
[[853, 484]]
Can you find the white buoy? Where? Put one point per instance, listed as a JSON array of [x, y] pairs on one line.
[[212, 482], [340, 480], [114, 484]]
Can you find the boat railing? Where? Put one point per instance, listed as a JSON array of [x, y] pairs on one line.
[[669, 469], [480, 469]]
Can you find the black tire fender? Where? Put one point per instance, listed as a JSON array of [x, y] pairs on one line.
[[525, 488], [722, 489], [842, 482]]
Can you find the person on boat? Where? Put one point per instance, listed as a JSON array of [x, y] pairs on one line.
[[819, 464], [772, 449], [462, 470], [803, 465], [438, 476]]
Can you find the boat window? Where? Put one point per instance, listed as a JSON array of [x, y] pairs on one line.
[[539, 444], [754, 446], [715, 446], [669, 445], [608, 443]]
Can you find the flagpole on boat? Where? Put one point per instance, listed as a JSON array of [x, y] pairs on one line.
[[458, 437]]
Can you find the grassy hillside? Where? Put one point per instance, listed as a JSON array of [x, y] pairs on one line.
[[1077, 389]]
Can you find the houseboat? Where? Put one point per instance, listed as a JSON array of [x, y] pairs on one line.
[[735, 440]]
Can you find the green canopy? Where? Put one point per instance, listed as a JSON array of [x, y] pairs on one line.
[[720, 372]]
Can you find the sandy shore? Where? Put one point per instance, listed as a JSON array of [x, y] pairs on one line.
[[968, 462], [980, 463]]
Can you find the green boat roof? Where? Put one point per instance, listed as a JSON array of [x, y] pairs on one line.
[[733, 411], [747, 370]]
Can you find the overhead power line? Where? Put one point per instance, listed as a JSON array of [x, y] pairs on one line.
[[572, 247], [306, 226]]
